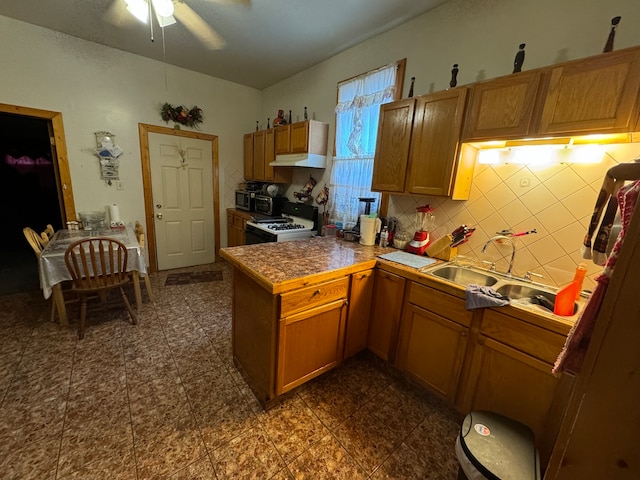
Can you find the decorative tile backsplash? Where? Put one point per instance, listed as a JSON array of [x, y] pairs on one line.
[[557, 201]]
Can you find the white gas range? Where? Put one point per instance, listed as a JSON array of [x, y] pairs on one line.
[[298, 221]]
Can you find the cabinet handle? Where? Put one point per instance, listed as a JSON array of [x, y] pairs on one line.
[[317, 292], [463, 333], [481, 341]]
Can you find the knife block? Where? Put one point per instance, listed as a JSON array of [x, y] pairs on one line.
[[447, 254]]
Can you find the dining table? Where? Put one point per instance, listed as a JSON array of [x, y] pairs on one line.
[[53, 270]]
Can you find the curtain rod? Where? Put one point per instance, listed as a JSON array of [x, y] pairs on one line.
[[370, 72]]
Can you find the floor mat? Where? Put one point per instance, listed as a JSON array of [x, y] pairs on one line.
[[185, 278]]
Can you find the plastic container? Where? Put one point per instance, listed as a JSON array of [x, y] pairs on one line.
[[565, 300], [384, 237], [581, 271]]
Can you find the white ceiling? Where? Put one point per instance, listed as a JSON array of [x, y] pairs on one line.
[[265, 40]]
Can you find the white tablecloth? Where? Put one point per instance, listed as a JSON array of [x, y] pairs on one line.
[[54, 270]]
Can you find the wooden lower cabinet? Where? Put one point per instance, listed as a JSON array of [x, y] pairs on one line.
[[360, 296], [310, 343], [431, 350], [236, 223], [386, 309], [507, 381]]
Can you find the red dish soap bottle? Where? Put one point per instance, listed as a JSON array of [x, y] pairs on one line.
[[565, 300], [581, 271]]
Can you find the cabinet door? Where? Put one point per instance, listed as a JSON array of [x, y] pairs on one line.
[[431, 350], [230, 231], [434, 142], [360, 296], [507, 381], [392, 146], [598, 95], [258, 155], [248, 156], [502, 108], [299, 137], [283, 139], [310, 343], [388, 294]]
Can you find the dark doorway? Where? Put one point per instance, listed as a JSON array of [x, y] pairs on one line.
[[28, 197]]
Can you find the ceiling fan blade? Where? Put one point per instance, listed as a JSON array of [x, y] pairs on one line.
[[198, 27], [118, 15], [242, 3]]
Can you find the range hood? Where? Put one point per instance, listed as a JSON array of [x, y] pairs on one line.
[[312, 160]]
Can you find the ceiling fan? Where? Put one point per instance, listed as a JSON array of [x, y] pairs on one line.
[[168, 12]]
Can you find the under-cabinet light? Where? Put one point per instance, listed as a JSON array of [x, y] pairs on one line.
[[541, 155]]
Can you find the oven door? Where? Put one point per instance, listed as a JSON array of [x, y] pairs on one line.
[[253, 235]]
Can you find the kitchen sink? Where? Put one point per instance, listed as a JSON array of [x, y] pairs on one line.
[[464, 276], [517, 291]]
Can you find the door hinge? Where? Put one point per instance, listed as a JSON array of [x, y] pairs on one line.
[[52, 140]]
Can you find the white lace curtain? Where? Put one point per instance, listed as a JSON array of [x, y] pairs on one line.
[[357, 113]]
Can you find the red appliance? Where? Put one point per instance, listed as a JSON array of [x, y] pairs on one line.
[[424, 223]]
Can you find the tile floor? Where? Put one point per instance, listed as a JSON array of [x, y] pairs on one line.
[[163, 400]]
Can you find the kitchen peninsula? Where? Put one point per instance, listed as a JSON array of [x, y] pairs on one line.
[[300, 308]]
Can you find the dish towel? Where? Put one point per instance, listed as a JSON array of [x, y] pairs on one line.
[[607, 196], [575, 348], [483, 297]]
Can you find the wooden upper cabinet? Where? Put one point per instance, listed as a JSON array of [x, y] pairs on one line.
[[309, 136], [258, 155], [299, 137], [248, 156], [433, 158], [502, 108], [595, 95], [283, 139], [392, 147], [259, 152]]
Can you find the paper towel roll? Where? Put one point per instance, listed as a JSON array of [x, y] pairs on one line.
[[114, 213]]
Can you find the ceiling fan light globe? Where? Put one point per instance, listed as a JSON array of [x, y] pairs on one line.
[[139, 9], [163, 8], [165, 21]]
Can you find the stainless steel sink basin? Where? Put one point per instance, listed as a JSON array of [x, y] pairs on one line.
[[464, 276], [517, 291]]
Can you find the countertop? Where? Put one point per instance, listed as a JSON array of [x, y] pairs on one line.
[[279, 265], [282, 266]]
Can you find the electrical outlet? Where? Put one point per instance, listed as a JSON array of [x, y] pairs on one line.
[[525, 182], [119, 185]]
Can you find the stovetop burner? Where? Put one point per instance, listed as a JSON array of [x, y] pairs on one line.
[[285, 226]]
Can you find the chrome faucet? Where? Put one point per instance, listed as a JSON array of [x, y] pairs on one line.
[[513, 249]]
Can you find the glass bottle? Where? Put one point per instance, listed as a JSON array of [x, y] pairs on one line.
[[413, 79], [305, 113], [268, 123]]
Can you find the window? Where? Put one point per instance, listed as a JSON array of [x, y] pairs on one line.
[[357, 113]]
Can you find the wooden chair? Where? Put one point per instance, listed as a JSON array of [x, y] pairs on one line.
[[139, 229], [47, 234], [34, 240], [97, 265]]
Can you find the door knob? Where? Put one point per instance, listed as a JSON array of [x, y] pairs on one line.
[[159, 215]]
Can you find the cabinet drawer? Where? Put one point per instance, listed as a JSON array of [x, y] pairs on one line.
[[312, 296], [238, 221], [448, 306], [522, 336]]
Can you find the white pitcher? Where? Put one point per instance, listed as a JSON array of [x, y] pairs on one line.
[[369, 227]]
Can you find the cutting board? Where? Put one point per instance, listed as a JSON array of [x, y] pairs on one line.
[[408, 259]]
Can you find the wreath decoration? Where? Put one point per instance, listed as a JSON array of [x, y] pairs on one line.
[[181, 115]]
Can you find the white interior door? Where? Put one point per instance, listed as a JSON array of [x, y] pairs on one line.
[[182, 184]]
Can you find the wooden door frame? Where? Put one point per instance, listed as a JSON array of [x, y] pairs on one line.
[[63, 178], [143, 131]]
